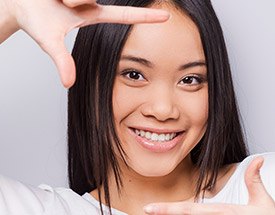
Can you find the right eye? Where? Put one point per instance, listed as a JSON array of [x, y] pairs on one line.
[[133, 75]]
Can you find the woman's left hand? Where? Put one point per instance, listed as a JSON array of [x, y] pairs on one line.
[[260, 202]]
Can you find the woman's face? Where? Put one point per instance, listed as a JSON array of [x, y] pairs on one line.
[[160, 96]]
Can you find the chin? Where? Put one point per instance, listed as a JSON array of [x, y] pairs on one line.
[[155, 175], [153, 170]]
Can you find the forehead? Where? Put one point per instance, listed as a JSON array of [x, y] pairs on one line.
[[176, 39]]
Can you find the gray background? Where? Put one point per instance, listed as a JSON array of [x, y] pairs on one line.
[[33, 102]]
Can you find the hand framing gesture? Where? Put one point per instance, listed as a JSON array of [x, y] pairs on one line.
[[259, 203], [48, 22]]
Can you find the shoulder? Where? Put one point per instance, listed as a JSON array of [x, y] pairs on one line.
[[16, 197], [20, 199]]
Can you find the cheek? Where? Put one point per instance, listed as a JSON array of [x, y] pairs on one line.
[[120, 98], [195, 107], [125, 101]]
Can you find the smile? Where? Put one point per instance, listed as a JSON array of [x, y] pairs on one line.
[[154, 136], [156, 140]]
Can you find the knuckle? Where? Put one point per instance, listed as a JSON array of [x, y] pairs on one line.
[[98, 14], [44, 45], [161, 210], [126, 16], [146, 16], [257, 179]]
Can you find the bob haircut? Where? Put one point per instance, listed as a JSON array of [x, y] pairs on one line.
[[92, 139]]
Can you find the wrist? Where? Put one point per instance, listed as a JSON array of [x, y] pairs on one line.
[[8, 22]]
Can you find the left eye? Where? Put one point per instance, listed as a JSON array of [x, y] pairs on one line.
[[191, 80]]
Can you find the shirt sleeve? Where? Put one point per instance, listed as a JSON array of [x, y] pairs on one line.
[[17, 198]]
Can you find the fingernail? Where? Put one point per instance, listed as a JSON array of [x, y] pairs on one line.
[[148, 209], [167, 16], [164, 14], [261, 162]]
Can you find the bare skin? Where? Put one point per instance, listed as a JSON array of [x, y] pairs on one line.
[[177, 189], [49, 21], [30, 15], [162, 101], [168, 176], [260, 202]]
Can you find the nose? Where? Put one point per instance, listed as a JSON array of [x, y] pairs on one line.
[[161, 104]]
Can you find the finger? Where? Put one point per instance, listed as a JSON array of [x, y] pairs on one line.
[[75, 3], [256, 190], [127, 15], [179, 208], [63, 61]]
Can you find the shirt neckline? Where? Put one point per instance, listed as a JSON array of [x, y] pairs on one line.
[[96, 203], [218, 196]]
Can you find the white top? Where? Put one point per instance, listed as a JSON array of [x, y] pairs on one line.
[[20, 199]]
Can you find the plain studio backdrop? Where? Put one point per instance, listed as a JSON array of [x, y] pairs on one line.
[[33, 103]]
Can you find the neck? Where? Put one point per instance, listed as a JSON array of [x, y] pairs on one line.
[[138, 190]]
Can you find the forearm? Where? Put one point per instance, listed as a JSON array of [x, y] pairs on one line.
[[8, 24]]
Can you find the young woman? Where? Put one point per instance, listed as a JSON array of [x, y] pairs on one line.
[[153, 118]]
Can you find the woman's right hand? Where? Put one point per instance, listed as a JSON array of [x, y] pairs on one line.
[[49, 21]]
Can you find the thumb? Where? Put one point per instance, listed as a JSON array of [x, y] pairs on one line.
[[63, 61], [256, 190]]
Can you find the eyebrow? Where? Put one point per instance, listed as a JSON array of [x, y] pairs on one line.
[[149, 64], [192, 64], [139, 60]]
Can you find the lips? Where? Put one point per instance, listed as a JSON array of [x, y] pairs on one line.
[[157, 145]]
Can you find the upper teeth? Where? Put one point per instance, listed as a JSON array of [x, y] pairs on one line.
[[154, 136]]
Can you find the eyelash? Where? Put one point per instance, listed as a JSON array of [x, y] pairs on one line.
[[193, 77], [199, 79], [126, 73]]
